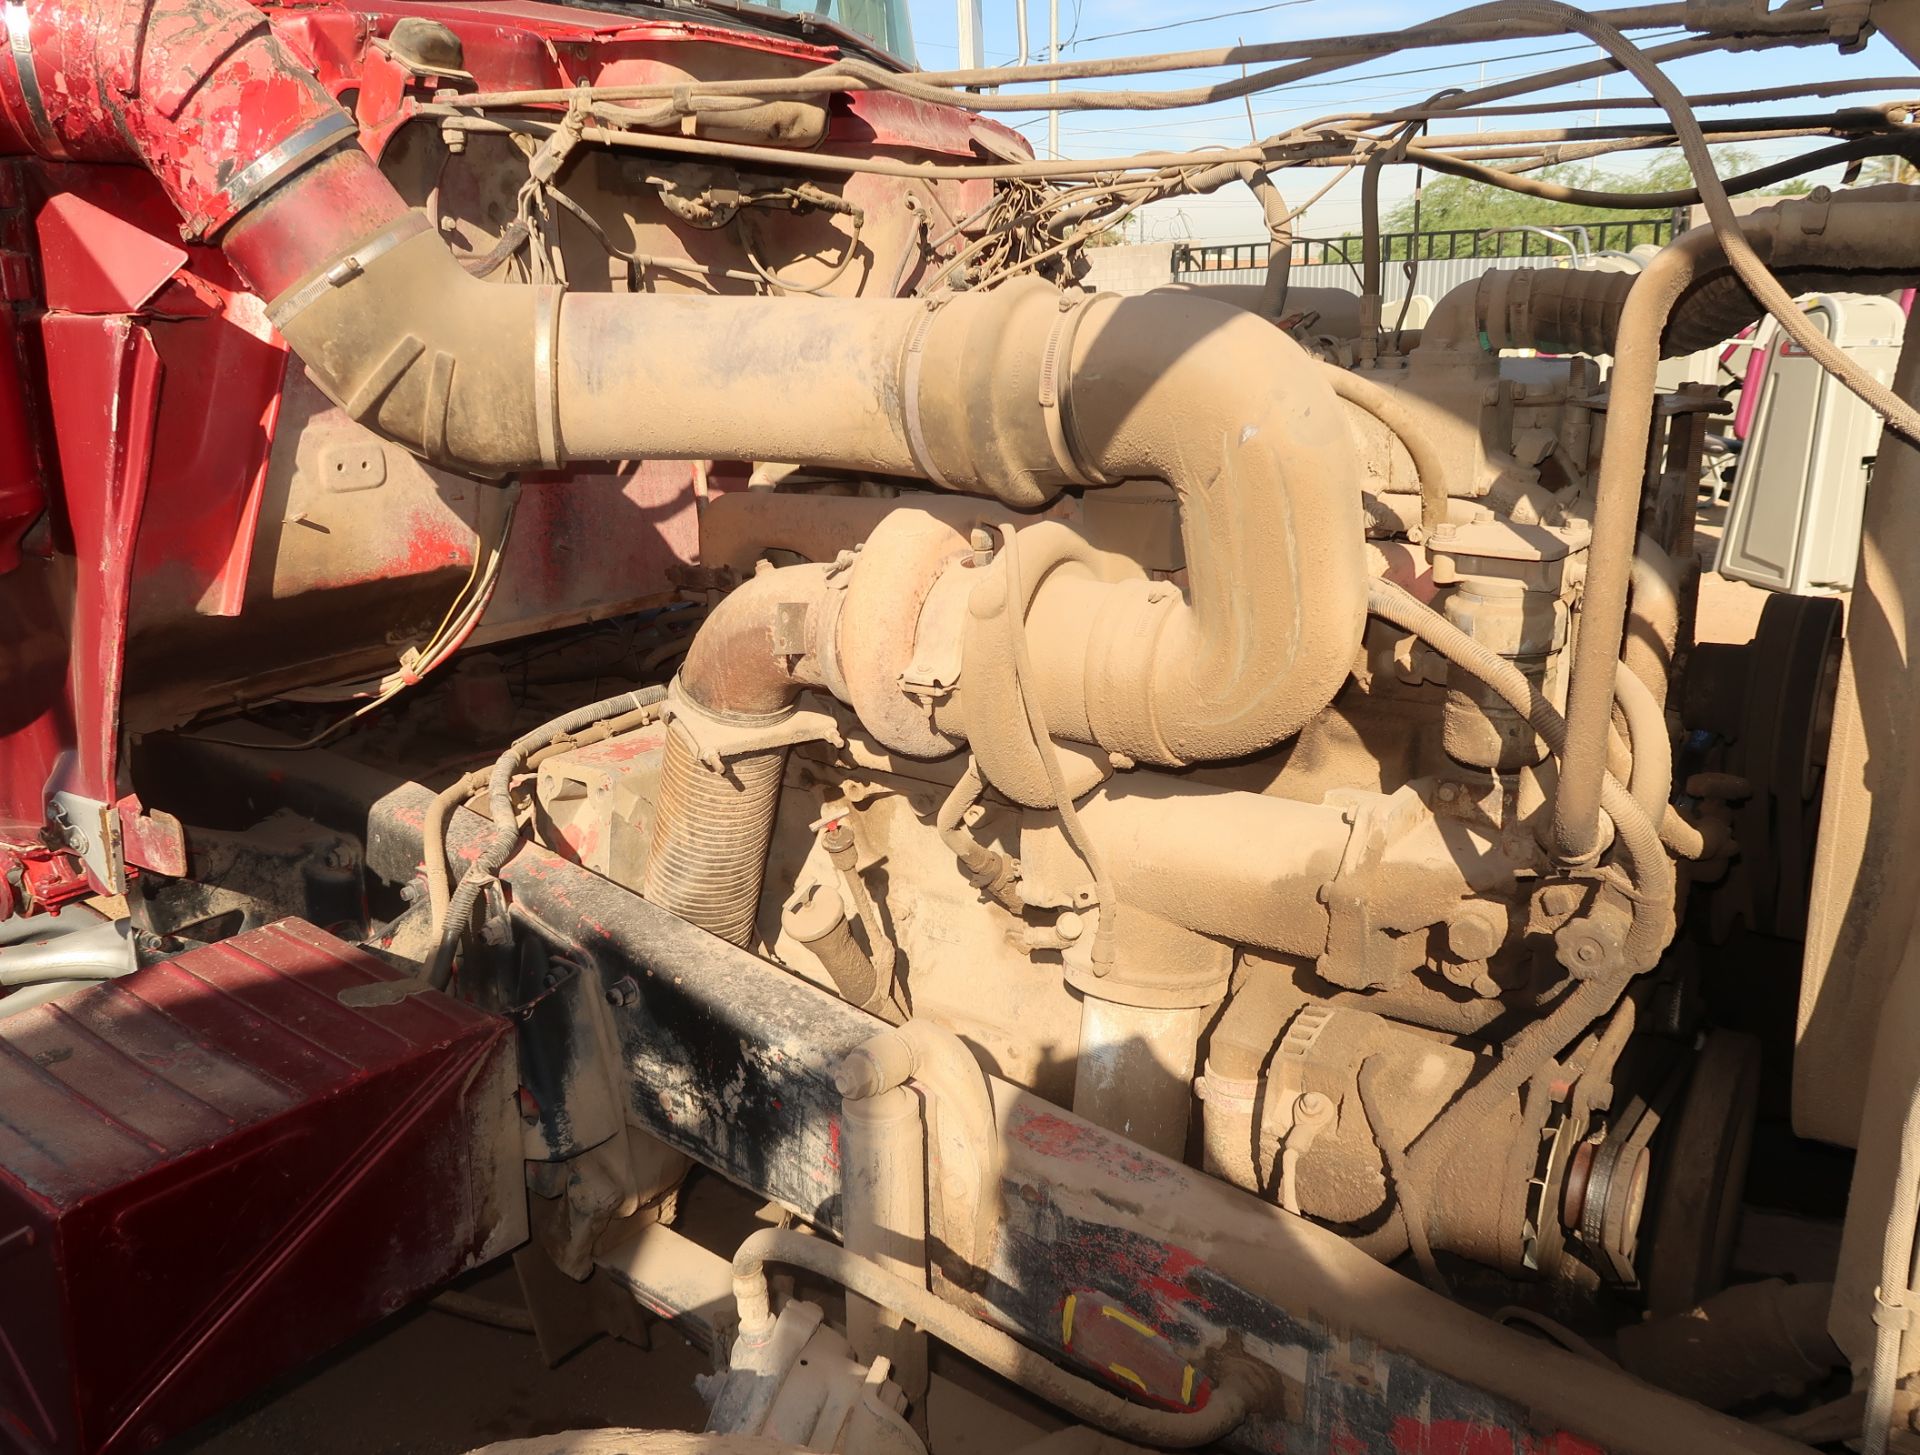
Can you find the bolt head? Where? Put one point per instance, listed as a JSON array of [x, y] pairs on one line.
[[1474, 933], [1560, 899], [1587, 945]]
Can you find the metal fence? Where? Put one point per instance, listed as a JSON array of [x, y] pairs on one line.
[[1443, 260]]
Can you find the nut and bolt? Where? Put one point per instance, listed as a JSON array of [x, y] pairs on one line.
[[624, 991], [1474, 933], [1069, 926], [1559, 899], [1589, 944]]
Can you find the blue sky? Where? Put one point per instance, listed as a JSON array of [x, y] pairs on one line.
[[1232, 215]]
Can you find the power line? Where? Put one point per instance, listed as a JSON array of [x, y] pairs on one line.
[[1193, 20], [1360, 76], [1073, 31]]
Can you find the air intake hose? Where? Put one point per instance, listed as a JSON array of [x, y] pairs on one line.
[[1857, 242]]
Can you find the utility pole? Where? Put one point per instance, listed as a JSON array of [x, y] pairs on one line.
[[1053, 54]]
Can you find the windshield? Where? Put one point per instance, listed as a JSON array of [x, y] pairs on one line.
[[884, 22]]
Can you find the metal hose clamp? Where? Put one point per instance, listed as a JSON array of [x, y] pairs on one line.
[[911, 363], [20, 52], [1056, 392], [289, 305], [546, 384], [276, 164]]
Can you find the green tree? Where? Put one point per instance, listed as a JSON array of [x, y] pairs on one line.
[[1448, 203]]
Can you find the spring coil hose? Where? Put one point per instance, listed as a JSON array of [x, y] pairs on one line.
[[710, 835]]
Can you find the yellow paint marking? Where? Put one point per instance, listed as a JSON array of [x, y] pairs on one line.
[[1066, 1320], [1186, 1386], [1130, 1321], [1129, 1376]]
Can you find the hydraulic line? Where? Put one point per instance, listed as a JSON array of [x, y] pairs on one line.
[[1232, 1400]]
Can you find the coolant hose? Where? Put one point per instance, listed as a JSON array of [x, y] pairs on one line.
[[1399, 421], [1232, 1400], [1651, 782]]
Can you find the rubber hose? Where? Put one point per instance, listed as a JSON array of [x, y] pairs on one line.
[[1403, 425], [506, 834], [1651, 782], [1225, 1410]]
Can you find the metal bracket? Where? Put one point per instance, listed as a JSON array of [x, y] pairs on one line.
[[91, 829], [715, 740]]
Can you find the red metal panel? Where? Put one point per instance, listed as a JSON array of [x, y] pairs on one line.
[[103, 390], [217, 1167], [97, 262], [22, 491]]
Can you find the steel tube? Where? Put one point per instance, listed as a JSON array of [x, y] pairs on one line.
[[885, 1179]]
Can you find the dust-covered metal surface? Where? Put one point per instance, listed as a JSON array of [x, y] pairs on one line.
[[726, 1059], [219, 1166], [730, 1061]]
